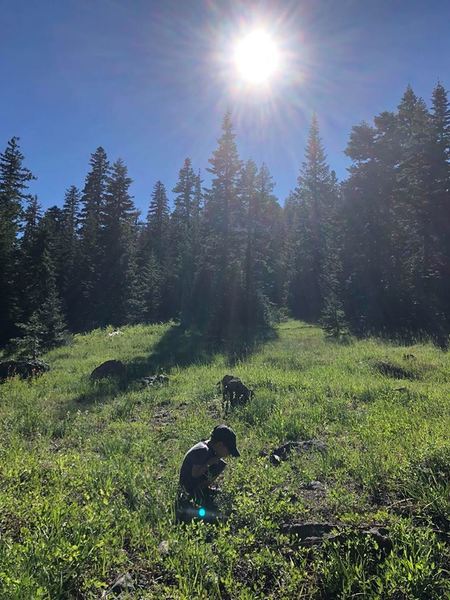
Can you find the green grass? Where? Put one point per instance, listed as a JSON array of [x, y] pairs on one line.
[[88, 472]]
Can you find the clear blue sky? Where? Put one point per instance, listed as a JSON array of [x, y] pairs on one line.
[[146, 80]]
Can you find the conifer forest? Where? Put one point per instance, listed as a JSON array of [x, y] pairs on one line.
[[366, 255]]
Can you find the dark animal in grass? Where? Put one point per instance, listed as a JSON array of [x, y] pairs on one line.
[[235, 393], [222, 383], [110, 368], [23, 368]]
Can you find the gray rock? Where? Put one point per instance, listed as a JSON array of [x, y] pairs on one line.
[[314, 485], [283, 452], [163, 547], [152, 380], [121, 587]]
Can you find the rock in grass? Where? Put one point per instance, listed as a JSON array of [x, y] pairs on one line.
[[123, 586], [110, 368], [163, 547], [306, 530], [316, 486], [283, 452], [153, 380], [23, 368]]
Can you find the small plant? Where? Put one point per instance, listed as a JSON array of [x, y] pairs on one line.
[[30, 344], [333, 321]]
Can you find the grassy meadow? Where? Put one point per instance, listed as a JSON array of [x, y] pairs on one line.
[[89, 471]]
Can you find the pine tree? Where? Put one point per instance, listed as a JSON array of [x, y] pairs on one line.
[[153, 287], [158, 222], [42, 321], [156, 254], [70, 254], [88, 304], [440, 164], [314, 198], [269, 239], [14, 179], [29, 255], [136, 283], [50, 313], [416, 193], [183, 231], [29, 343], [219, 282], [118, 221], [248, 199], [333, 318], [263, 251]]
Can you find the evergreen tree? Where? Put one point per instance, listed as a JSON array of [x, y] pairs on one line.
[[314, 199], [152, 286], [440, 161], [249, 200], [416, 187], [50, 313], [156, 254], [370, 265], [219, 282], [136, 283], [42, 321], [70, 254], [270, 239], [263, 251], [88, 304], [183, 231], [118, 220], [333, 318], [14, 178], [29, 255], [158, 222]]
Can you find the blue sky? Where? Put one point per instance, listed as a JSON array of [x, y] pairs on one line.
[[148, 80]]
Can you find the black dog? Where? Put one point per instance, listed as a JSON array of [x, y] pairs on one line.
[[234, 392]]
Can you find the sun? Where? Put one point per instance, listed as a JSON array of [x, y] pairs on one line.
[[256, 57]]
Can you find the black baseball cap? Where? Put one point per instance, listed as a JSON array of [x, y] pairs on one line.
[[223, 433]]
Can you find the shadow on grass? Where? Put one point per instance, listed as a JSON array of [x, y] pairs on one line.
[[183, 347], [177, 347], [102, 390]]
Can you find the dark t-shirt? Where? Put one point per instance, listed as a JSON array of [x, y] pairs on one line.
[[197, 455]]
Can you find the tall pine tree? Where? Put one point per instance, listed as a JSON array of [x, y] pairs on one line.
[[88, 305], [14, 179], [70, 254], [314, 198], [118, 230], [184, 229], [219, 282], [155, 255]]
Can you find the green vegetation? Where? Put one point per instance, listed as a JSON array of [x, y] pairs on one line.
[[88, 472]]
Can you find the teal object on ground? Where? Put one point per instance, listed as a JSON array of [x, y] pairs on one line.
[[202, 512]]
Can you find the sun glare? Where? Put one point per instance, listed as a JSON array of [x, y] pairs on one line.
[[256, 57]]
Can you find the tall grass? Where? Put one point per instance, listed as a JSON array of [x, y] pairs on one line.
[[88, 472]]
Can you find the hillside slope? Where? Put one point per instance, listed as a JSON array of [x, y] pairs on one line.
[[88, 472]]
